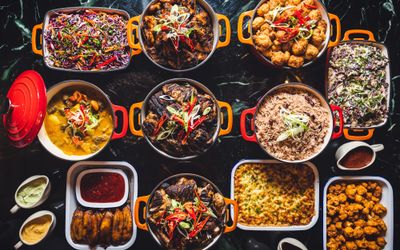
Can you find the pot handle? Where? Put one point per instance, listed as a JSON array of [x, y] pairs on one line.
[[355, 32], [240, 35], [124, 129], [139, 200], [133, 25], [235, 215], [339, 133], [134, 131], [243, 130], [225, 43], [34, 33], [228, 129], [335, 18], [377, 147], [355, 137]]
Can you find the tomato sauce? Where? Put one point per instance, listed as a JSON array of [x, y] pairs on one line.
[[102, 187], [357, 158]]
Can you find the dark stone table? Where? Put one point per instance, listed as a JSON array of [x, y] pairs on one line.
[[233, 74]]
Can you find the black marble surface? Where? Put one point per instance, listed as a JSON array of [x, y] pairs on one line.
[[233, 74]]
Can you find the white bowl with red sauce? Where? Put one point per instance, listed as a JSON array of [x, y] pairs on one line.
[[356, 155], [102, 188]]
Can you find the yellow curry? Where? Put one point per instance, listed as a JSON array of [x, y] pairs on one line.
[[77, 124]]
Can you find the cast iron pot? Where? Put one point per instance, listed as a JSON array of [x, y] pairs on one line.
[[142, 106], [148, 198], [137, 43], [251, 14], [254, 111]]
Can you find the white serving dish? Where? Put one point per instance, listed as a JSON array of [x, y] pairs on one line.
[[102, 204], [71, 202], [279, 228], [386, 200]]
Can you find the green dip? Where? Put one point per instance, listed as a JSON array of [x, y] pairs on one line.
[[29, 194]]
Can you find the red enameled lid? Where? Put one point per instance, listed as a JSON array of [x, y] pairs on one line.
[[27, 100]]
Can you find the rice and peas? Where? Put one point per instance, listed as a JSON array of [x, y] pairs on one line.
[[291, 124]]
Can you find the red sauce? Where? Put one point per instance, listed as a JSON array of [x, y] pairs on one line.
[[102, 187], [357, 158]]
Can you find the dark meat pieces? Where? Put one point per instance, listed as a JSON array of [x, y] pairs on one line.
[[182, 190]]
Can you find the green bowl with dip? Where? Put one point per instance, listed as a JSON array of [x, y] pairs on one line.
[[31, 193]]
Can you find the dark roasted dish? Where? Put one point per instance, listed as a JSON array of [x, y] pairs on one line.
[[103, 227], [87, 40], [355, 216], [186, 214], [180, 120], [357, 83], [178, 34]]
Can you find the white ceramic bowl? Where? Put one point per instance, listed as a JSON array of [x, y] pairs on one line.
[[102, 204], [32, 217], [42, 199]]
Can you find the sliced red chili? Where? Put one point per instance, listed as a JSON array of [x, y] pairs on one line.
[[159, 124], [105, 63], [313, 7], [198, 227]]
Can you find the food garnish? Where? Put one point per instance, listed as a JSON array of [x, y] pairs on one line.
[[296, 124]]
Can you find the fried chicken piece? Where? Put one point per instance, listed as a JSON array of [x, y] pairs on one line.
[[92, 227], [106, 228], [257, 22], [77, 230], [295, 61], [311, 53], [379, 209], [371, 230], [128, 224], [351, 245], [381, 241], [117, 225]]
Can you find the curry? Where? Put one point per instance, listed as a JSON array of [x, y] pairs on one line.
[[78, 123]]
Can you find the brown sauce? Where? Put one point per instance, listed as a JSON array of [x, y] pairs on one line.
[[288, 246], [357, 158]]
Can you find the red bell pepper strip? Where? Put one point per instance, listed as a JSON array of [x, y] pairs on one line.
[[160, 124], [178, 216], [105, 63], [189, 208], [201, 207], [198, 227], [192, 104], [164, 28], [171, 228], [178, 120], [198, 122], [313, 7]]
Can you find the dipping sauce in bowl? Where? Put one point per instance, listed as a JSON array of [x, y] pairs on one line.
[[29, 194], [102, 187], [357, 158], [36, 229]]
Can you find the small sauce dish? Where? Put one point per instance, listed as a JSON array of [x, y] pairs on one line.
[[291, 244], [36, 228], [102, 188], [31, 193], [356, 155]]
